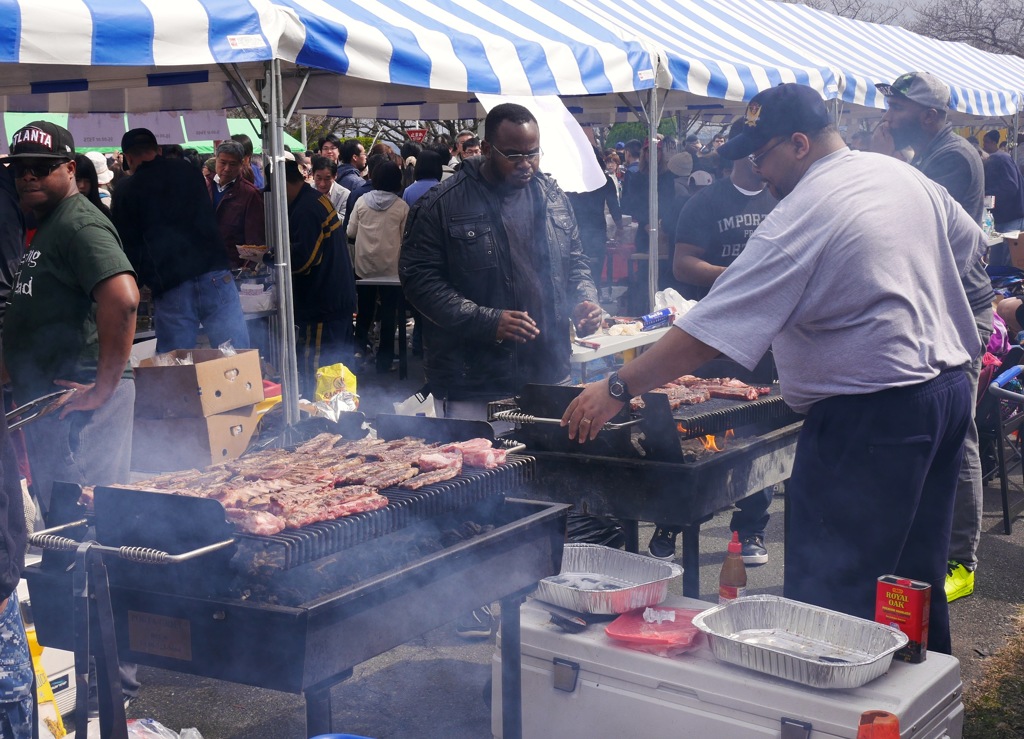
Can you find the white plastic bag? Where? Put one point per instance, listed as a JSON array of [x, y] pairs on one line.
[[670, 298], [147, 728]]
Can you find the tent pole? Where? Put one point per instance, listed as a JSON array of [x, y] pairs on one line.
[[305, 142], [653, 117], [280, 244]]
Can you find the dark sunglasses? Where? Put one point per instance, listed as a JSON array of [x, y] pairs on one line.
[[39, 170]]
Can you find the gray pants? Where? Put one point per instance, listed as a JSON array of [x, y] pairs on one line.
[[88, 448], [968, 505]]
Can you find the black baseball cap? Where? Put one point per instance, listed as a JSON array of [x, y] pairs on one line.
[[42, 140], [138, 137], [777, 111]]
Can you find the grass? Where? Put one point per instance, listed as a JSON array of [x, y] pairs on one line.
[[995, 704]]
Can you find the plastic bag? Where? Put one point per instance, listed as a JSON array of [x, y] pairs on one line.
[[227, 349], [587, 529], [670, 298], [335, 379], [147, 728], [662, 636]]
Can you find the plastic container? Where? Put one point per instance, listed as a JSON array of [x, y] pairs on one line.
[[668, 637]]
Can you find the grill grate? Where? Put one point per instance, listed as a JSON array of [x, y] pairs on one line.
[[718, 414], [293, 548]]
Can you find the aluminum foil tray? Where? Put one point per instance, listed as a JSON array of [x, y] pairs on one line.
[[799, 642], [597, 579]]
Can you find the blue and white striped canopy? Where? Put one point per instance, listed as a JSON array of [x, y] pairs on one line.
[[125, 55], [731, 49], [113, 54], [520, 47]]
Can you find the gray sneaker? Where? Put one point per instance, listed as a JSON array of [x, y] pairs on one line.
[[754, 552]]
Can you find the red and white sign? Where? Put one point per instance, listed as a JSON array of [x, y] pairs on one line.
[[416, 134]]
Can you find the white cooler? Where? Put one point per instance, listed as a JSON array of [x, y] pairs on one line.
[[588, 686]]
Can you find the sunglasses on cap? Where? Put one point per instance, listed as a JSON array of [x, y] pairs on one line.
[[39, 170]]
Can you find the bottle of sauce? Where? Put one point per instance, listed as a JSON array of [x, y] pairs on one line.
[[732, 581]]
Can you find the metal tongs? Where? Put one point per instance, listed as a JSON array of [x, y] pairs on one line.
[[525, 418], [44, 405]]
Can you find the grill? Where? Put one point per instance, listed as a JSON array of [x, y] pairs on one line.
[[637, 469], [297, 610]]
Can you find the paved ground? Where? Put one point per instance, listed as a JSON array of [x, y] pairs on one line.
[[432, 687]]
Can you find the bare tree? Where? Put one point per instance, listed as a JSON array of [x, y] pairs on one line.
[[872, 11], [394, 131], [984, 24]]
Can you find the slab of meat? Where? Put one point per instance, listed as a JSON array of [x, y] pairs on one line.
[[477, 453], [318, 443], [733, 393], [260, 523], [357, 475], [484, 459], [433, 460], [333, 504], [387, 478], [430, 478]]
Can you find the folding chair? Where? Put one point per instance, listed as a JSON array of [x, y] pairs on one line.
[[1000, 414]]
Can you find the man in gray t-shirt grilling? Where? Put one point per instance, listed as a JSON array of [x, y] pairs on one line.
[[870, 328]]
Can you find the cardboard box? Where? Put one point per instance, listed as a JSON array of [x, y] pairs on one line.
[[172, 444], [1015, 244], [214, 384]]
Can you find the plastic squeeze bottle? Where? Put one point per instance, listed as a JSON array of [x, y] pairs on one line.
[[732, 582]]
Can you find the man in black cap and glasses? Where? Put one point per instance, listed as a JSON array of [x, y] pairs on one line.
[[870, 329], [70, 324]]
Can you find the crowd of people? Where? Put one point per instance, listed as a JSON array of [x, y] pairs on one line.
[[494, 259]]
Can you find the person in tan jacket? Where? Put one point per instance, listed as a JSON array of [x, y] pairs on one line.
[[376, 226]]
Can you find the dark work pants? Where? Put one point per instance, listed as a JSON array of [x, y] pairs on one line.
[[872, 494], [751, 514], [388, 316]]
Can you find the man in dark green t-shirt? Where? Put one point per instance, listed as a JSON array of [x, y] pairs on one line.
[[70, 324], [71, 320]]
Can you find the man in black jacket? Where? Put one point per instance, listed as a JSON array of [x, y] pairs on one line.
[[323, 283], [165, 218], [492, 259]]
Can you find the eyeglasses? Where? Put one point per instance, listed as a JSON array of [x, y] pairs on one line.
[[756, 159], [39, 170], [517, 158]]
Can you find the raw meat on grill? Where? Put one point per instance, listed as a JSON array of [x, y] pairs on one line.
[[730, 392], [325, 478], [260, 523], [318, 444], [477, 453], [357, 475], [430, 461], [393, 476], [430, 478], [689, 390]]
